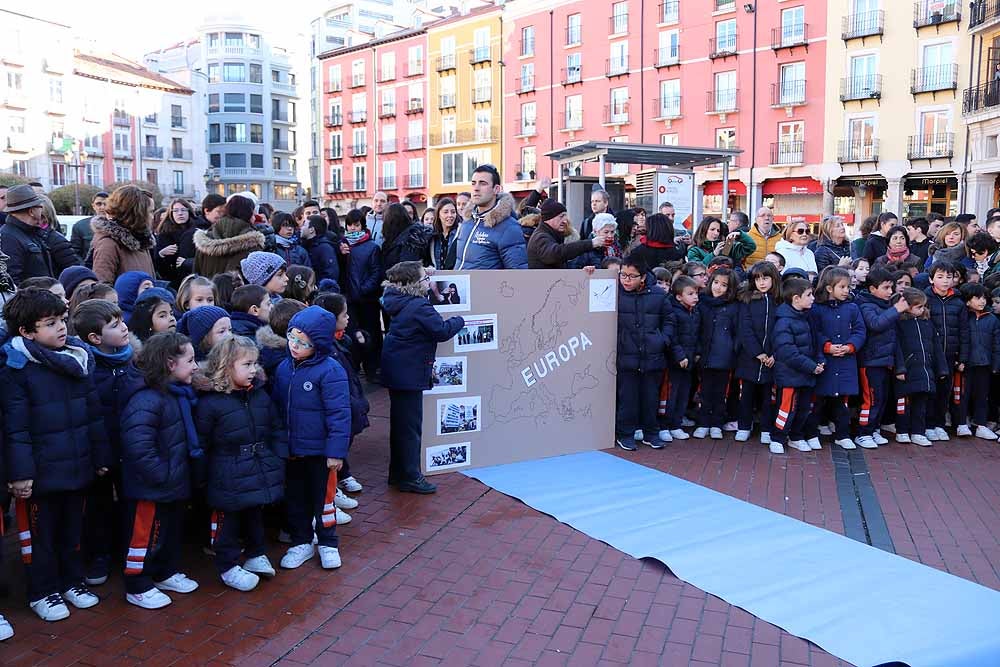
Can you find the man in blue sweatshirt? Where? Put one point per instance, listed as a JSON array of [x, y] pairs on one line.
[[491, 239]]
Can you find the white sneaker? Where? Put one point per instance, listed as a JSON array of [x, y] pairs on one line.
[[985, 433], [177, 583], [81, 597], [846, 443], [284, 537], [879, 439], [731, 426], [800, 445], [297, 555], [815, 444], [259, 565], [715, 433], [866, 442], [678, 434], [963, 431], [888, 428], [329, 558], [50, 608], [920, 440], [344, 501], [903, 438], [776, 448], [350, 485], [742, 436], [240, 579], [700, 432], [342, 518], [942, 435], [765, 437], [151, 599], [665, 436], [931, 434], [6, 629], [686, 423], [824, 429]]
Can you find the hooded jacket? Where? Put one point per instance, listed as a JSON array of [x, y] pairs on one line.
[[881, 317], [273, 350], [717, 339], [116, 250], [950, 318], [313, 394], [645, 327], [409, 348], [548, 249], [491, 240], [687, 327], [221, 248], [117, 379], [323, 258], [984, 340], [738, 250], [756, 337], [796, 352], [245, 324], [293, 252], [918, 357], [127, 287], [341, 352], [838, 323], [364, 270], [796, 257]]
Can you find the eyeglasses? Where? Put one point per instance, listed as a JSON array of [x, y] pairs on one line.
[[699, 275], [426, 279], [630, 276], [298, 342]]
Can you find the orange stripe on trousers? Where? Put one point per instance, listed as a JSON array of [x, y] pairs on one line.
[[784, 407], [867, 398], [142, 526], [329, 508]]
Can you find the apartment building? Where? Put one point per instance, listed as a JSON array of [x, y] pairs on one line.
[[980, 185]]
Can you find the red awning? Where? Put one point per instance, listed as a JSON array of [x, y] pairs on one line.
[[735, 187], [791, 186]]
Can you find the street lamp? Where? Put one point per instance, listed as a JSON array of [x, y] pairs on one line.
[[68, 159], [211, 176]]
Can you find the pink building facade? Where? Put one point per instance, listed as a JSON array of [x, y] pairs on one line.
[[677, 74], [374, 128]]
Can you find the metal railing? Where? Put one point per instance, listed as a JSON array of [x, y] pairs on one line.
[[387, 110], [122, 120], [670, 11], [480, 54], [152, 152], [720, 47], [723, 100], [857, 151], [180, 154], [334, 153], [446, 62], [723, 5], [788, 93], [414, 180], [983, 12], [667, 107], [415, 105], [414, 142], [930, 146], [616, 114], [930, 79], [334, 187], [788, 36], [279, 145], [525, 84], [357, 80], [280, 116], [358, 150], [387, 146], [178, 122], [865, 24], [446, 101], [865, 87], [333, 120], [526, 127], [387, 182], [414, 67], [480, 95], [618, 24], [386, 74], [788, 152], [927, 13], [665, 56], [616, 66], [334, 86], [571, 75], [985, 96], [359, 116], [573, 121]]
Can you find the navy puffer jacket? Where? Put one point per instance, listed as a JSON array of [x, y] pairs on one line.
[[313, 394], [409, 349], [718, 332], [364, 271], [880, 316], [245, 442], [838, 323], [245, 324], [950, 318], [155, 463], [796, 353], [756, 337], [117, 380], [918, 356], [645, 327], [54, 433], [323, 258], [829, 253], [687, 327], [984, 340], [359, 403]]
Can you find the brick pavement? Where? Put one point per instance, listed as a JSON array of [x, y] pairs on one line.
[[472, 577]]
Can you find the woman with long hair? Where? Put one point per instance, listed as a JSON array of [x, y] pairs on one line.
[[833, 248], [175, 242], [403, 239], [123, 240], [712, 240], [657, 245], [445, 227], [230, 240]]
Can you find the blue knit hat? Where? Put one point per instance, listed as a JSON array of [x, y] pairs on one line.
[[72, 276], [259, 267], [198, 322]]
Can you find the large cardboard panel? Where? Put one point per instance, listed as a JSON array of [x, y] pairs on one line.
[[533, 373]]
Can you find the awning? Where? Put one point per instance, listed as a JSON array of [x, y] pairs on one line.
[[735, 187], [791, 186]]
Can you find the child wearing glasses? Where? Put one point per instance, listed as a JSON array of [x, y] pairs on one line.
[[407, 363]]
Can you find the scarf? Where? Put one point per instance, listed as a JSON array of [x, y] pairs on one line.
[[897, 255], [339, 335], [185, 401], [71, 360], [982, 267], [283, 242], [119, 358], [354, 238], [654, 244]]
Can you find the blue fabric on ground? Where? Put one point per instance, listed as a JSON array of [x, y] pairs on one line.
[[858, 603]]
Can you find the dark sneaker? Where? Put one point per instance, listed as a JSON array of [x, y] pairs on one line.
[[419, 485], [627, 443], [654, 442]]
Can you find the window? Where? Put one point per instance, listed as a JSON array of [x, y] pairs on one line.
[[574, 112], [619, 57], [336, 114], [447, 91], [336, 145], [415, 60], [416, 177], [415, 95], [178, 182], [337, 177], [725, 36], [360, 176], [121, 142], [359, 142], [213, 40], [235, 133], [292, 143], [256, 103], [256, 133], [482, 85], [527, 76], [670, 99], [573, 29], [935, 133], [528, 167], [388, 70], [213, 72], [177, 148], [55, 90], [388, 138], [861, 138], [725, 137], [448, 48], [92, 173], [213, 103], [388, 105], [276, 110], [793, 27], [92, 143], [257, 161], [389, 174], [58, 173], [862, 81], [214, 133], [449, 130], [792, 84], [725, 91], [528, 40], [669, 50], [233, 72], [670, 139], [123, 172], [790, 143], [619, 105], [458, 167], [937, 62], [336, 82], [275, 76], [256, 73], [483, 120], [237, 160], [619, 18], [528, 115], [573, 71], [215, 160], [357, 73], [234, 39], [234, 102], [481, 44], [671, 11]]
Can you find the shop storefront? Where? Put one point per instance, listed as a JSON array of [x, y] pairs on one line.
[[936, 193], [794, 199], [712, 197], [857, 197]]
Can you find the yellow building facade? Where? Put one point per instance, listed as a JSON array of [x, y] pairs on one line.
[[465, 120]]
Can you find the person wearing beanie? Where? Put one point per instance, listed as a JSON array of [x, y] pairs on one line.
[[266, 269], [547, 248], [205, 326], [76, 276], [129, 286]]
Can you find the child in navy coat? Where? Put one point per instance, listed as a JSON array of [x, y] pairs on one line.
[[798, 359], [245, 445], [250, 310], [950, 318], [6, 629], [984, 357], [717, 350], [920, 367], [840, 332], [363, 285], [755, 349], [683, 357], [54, 444]]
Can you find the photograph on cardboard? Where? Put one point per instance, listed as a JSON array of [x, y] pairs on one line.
[[448, 375], [459, 415], [450, 294], [445, 457], [480, 333]]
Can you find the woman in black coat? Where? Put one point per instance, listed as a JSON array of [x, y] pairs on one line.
[[657, 246], [403, 239], [175, 250]]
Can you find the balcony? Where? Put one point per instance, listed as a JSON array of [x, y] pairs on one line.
[[618, 24], [241, 172], [282, 88], [387, 183], [666, 56], [334, 120], [465, 135], [616, 114], [935, 13], [182, 154], [446, 62], [121, 119], [983, 13], [279, 116], [152, 152], [669, 11], [725, 5], [933, 79], [572, 35], [480, 55], [122, 153], [667, 108], [334, 153], [234, 50], [571, 75], [387, 74], [722, 47], [414, 67], [722, 101], [415, 105], [334, 187], [931, 146], [521, 175], [55, 108], [616, 67], [18, 143], [387, 146], [524, 84], [282, 146], [526, 127], [414, 180], [446, 102], [480, 95], [857, 151], [414, 142], [178, 123], [284, 174], [357, 150], [573, 122], [357, 80], [789, 36], [787, 153], [335, 86], [859, 26], [867, 87], [981, 98], [387, 110], [359, 116], [788, 94], [15, 99]]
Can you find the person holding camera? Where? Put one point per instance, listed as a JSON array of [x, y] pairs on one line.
[[710, 242]]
